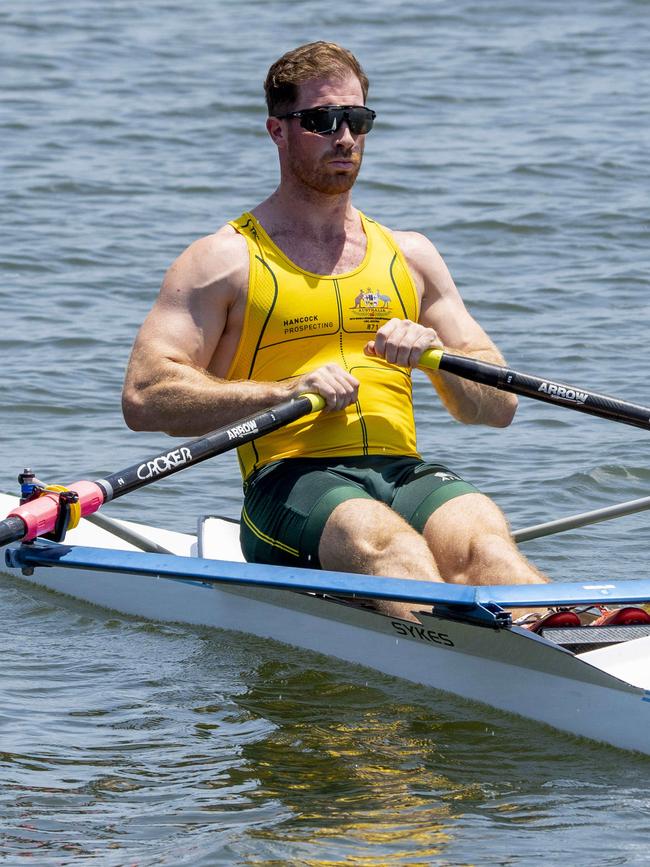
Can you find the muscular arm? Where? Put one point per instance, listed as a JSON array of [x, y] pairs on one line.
[[175, 376], [175, 379], [445, 322]]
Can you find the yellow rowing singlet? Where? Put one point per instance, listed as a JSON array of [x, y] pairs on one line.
[[297, 321]]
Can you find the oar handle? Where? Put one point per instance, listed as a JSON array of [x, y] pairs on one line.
[[316, 401], [556, 393]]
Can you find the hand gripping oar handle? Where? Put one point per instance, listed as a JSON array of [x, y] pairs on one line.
[[38, 517], [545, 390]]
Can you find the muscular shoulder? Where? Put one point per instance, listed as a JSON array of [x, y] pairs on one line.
[[216, 262], [425, 262]]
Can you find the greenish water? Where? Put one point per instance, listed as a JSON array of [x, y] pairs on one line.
[[514, 135]]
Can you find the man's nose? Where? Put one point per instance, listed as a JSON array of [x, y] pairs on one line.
[[343, 135]]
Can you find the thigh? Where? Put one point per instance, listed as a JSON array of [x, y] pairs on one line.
[[286, 507], [424, 488]]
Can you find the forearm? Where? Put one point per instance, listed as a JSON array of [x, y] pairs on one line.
[[182, 400], [471, 402]]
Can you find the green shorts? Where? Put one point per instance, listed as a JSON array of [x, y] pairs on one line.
[[287, 503]]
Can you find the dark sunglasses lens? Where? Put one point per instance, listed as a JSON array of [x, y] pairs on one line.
[[360, 120], [328, 120], [322, 120]]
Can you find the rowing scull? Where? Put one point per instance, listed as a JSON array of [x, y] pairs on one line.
[[602, 694]]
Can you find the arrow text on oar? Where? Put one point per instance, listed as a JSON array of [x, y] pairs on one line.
[[545, 390]]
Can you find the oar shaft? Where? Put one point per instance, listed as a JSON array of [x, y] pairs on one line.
[[38, 517], [583, 519], [559, 394], [215, 443], [11, 529]]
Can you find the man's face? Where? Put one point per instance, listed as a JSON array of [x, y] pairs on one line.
[[325, 163]]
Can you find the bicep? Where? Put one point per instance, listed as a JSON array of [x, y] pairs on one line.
[[183, 327], [190, 315]]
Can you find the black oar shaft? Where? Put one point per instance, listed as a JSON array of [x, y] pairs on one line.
[[38, 517], [11, 530], [215, 443], [559, 394]]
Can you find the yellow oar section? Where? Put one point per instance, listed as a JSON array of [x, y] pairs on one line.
[[431, 359], [316, 400]]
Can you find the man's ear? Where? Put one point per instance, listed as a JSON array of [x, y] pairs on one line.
[[275, 129]]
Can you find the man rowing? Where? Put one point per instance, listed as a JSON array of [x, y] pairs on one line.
[[304, 293]]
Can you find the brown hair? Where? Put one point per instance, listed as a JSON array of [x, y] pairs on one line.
[[305, 63]]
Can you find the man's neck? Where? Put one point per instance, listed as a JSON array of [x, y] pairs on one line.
[[320, 233], [308, 212]]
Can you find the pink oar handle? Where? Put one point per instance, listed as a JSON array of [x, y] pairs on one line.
[[39, 515]]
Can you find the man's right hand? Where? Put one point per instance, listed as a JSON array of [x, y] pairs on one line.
[[338, 387]]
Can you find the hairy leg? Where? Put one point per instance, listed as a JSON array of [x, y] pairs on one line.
[[471, 542], [368, 537]]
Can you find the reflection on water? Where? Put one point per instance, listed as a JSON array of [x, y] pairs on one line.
[[156, 744], [383, 767], [345, 768]]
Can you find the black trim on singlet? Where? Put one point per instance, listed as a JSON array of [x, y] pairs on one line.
[[339, 306], [394, 282], [268, 315], [392, 264], [257, 345]]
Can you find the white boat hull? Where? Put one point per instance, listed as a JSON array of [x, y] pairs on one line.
[[603, 695]]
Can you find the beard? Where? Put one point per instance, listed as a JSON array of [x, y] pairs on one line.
[[322, 177]]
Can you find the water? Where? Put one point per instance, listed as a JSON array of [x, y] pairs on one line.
[[516, 137]]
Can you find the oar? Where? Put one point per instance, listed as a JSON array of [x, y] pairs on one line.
[[545, 390], [583, 519], [40, 516], [126, 534]]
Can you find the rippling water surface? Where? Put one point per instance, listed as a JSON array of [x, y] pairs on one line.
[[516, 136]]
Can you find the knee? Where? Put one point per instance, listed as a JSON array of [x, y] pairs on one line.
[[490, 547]]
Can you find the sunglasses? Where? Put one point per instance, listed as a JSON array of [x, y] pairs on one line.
[[326, 119]]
